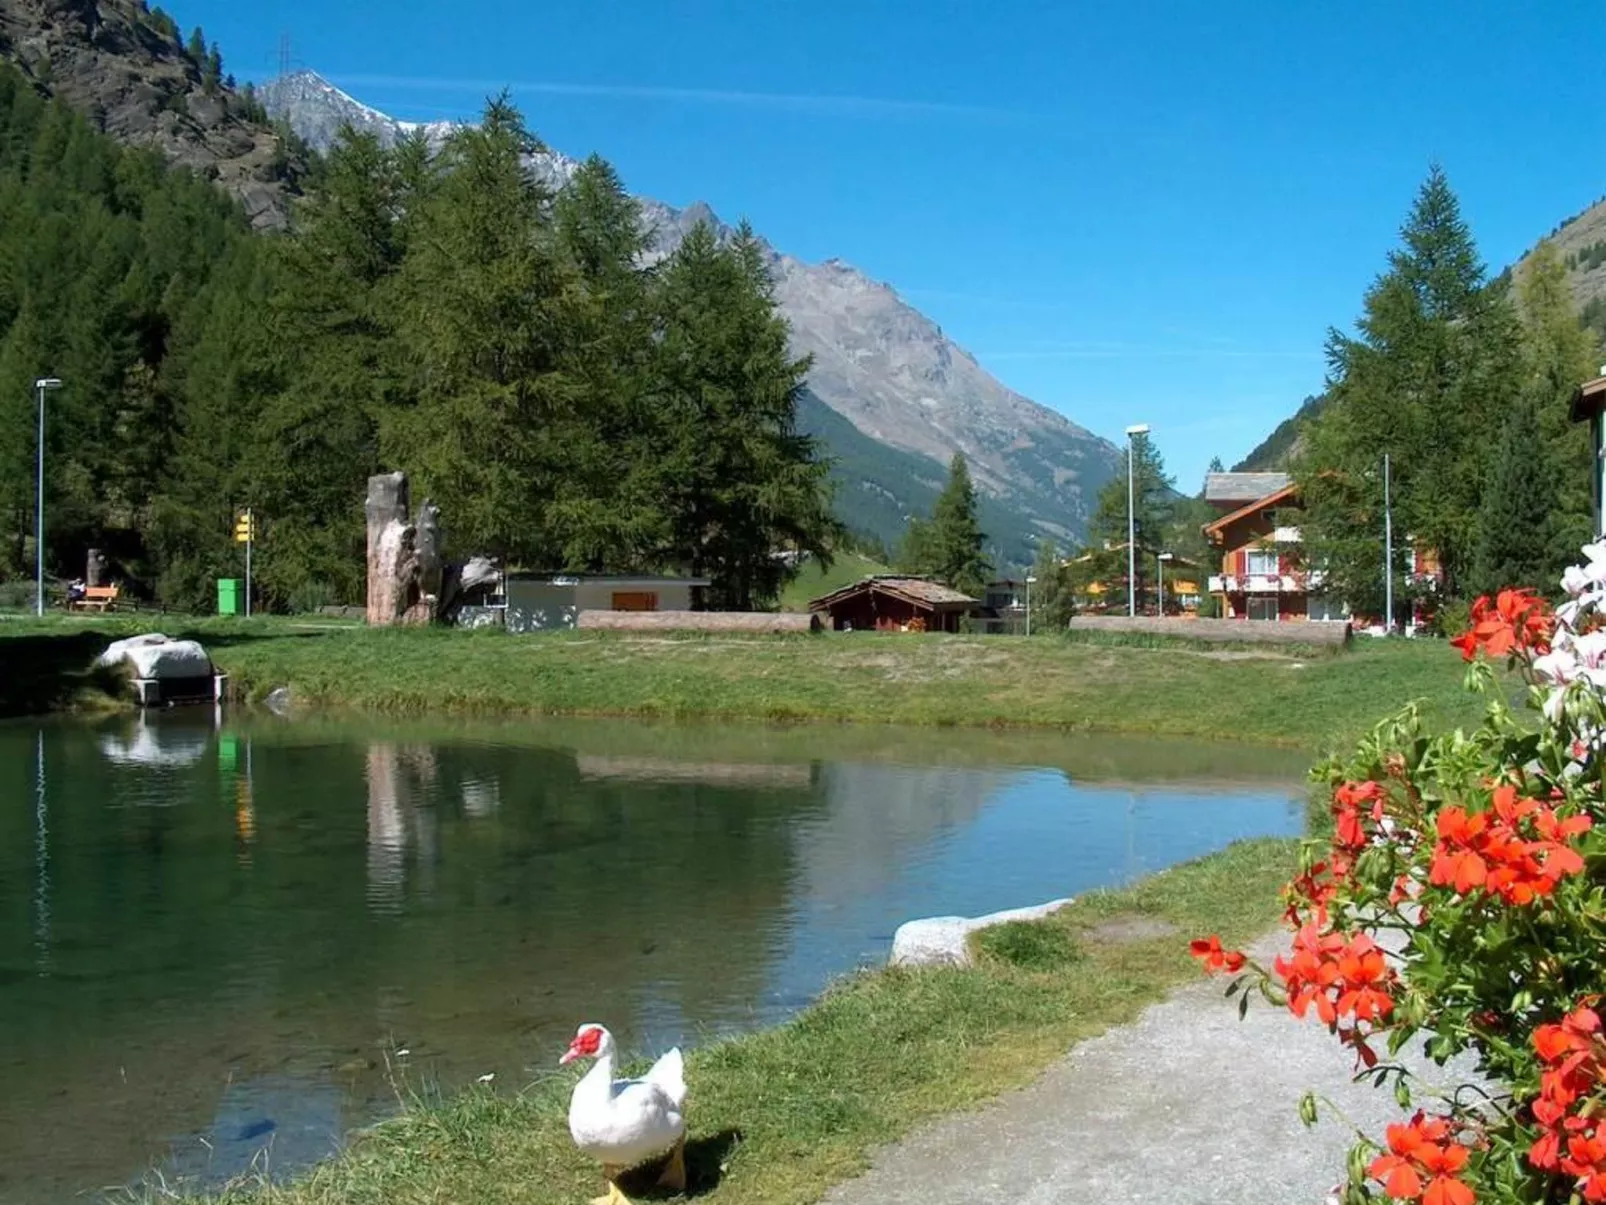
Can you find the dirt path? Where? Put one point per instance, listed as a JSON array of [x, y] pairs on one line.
[[1186, 1105]]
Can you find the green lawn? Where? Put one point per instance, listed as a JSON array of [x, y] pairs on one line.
[[1278, 697], [811, 581], [779, 1116]]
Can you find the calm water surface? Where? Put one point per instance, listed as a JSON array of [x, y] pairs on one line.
[[222, 941]]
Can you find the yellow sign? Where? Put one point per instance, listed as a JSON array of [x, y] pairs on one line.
[[244, 529]]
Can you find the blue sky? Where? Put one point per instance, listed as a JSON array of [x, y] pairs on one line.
[[1142, 212]]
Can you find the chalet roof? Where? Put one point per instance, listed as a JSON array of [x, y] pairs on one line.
[[1589, 398], [918, 590], [1287, 493], [1243, 487]]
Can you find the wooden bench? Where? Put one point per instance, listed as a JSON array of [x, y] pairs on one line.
[[97, 598]]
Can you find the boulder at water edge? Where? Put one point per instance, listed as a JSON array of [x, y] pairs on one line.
[[158, 657], [945, 940]]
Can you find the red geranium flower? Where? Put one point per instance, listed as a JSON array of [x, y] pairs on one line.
[[1208, 950], [1518, 620], [1423, 1161]]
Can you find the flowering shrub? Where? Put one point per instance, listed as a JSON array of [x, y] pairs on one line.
[[1462, 900]]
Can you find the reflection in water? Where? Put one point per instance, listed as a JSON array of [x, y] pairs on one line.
[[208, 960], [41, 893]]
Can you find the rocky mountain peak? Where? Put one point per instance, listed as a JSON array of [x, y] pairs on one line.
[[878, 363], [124, 66]]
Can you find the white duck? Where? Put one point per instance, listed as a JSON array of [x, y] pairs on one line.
[[626, 1123]]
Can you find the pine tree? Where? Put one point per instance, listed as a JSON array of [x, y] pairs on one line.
[[480, 329], [196, 47], [955, 534], [1052, 601], [1517, 510], [1152, 509], [1559, 353], [607, 514], [1427, 379], [739, 482]]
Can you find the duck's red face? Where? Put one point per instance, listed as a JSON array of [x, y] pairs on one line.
[[585, 1044]]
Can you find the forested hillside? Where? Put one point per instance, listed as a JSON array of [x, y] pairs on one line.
[[445, 314]]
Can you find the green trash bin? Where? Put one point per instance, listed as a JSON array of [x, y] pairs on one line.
[[228, 596]]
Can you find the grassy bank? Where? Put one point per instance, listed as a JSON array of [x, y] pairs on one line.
[[1278, 697], [779, 1116]]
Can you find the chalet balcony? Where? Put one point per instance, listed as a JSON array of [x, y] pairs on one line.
[[1259, 583]]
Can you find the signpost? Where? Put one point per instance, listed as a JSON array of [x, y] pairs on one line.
[[245, 533]]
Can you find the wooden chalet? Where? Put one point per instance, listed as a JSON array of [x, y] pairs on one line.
[[897, 604]]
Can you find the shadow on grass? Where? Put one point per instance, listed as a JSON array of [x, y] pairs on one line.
[[706, 1159], [55, 671]]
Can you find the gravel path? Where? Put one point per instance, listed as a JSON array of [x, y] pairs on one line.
[[1186, 1105]]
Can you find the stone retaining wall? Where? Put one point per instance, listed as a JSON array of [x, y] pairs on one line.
[[1236, 631]]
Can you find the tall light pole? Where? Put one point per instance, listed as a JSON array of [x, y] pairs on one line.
[[1159, 566], [43, 385], [1134, 430]]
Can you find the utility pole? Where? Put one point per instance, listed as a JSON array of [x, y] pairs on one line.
[[1132, 432], [44, 385], [1388, 552]]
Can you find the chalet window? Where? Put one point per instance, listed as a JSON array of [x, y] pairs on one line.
[[1325, 607], [1262, 608], [1262, 562]]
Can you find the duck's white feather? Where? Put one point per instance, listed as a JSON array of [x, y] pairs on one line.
[[624, 1123]]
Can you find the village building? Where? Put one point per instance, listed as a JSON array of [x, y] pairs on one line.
[[536, 602], [1264, 571], [897, 604]]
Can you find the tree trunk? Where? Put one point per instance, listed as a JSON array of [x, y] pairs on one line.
[[409, 581], [95, 568], [392, 556]]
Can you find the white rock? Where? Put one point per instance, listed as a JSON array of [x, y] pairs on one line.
[[945, 940], [156, 656]]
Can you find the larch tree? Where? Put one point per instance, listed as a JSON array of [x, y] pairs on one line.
[[1559, 353], [1426, 379], [955, 540], [739, 481], [1517, 509]]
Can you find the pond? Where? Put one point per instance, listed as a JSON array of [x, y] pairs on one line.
[[227, 940]]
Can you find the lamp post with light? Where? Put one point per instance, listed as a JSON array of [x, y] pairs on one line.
[[1134, 430], [44, 385]]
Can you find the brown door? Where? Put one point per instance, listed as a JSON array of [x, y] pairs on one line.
[[635, 600]]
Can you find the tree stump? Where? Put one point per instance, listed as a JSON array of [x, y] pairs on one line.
[[409, 581], [392, 557]]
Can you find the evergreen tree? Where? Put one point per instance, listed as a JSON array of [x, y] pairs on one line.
[[955, 537], [1052, 600], [739, 482], [607, 514], [1436, 362], [480, 329], [1516, 513], [1559, 353], [1152, 510], [916, 555], [196, 47]]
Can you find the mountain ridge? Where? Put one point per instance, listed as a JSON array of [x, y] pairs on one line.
[[878, 362]]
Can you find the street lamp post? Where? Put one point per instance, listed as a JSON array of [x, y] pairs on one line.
[[1159, 597], [43, 385], [1029, 580], [1132, 523]]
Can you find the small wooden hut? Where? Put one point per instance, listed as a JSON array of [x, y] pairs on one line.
[[897, 604]]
